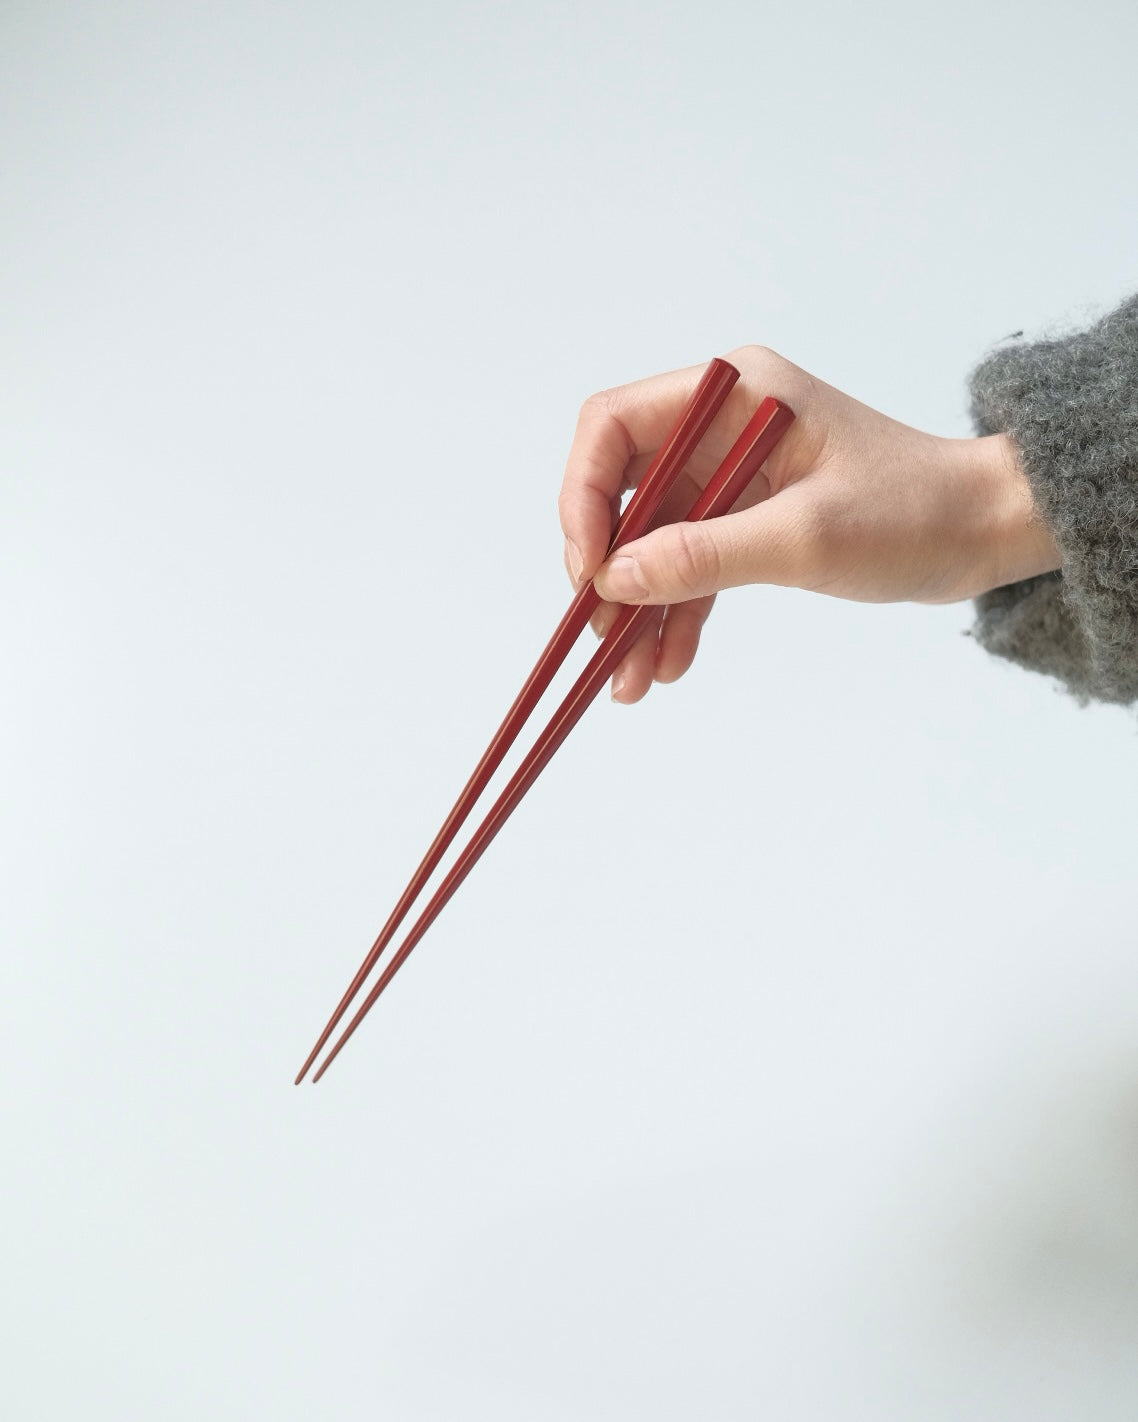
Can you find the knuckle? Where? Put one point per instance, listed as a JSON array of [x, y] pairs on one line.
[[760, 359], [599, 404], [600, 419], [694, 561], [772, 374]]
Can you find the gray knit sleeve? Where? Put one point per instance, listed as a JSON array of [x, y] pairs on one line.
[[1071, 408]]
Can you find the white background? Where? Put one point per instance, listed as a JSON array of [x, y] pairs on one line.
[[780, 1058]]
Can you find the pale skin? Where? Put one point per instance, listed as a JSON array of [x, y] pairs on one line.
[[851, 503]]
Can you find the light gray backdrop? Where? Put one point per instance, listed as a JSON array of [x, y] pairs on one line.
[[780, 1060]]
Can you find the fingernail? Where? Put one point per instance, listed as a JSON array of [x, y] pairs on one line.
[[601, 621], [622, 581], [574, 559], [618, 684]]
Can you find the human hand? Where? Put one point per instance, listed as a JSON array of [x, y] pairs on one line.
[[850, 503]]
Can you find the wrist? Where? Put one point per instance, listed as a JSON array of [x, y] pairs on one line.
[[1016, 542]]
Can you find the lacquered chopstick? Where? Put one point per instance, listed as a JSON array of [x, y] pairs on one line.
[[763, 431], [714, 386]]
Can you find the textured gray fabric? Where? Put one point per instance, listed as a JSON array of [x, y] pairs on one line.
[[1071, 407]]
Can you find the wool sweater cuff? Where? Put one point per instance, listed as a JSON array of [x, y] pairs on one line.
[[1071, 408]]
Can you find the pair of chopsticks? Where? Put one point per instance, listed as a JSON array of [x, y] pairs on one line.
[[763, 431]]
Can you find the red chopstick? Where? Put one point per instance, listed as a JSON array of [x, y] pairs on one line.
[[765, 428], [713, 388]]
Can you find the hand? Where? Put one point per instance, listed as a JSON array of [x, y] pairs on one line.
[[850, 503]]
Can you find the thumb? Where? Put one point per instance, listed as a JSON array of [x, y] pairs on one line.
[[685, 560]]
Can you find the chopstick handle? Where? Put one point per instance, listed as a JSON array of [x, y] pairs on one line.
[[766, 427], [714, 386]]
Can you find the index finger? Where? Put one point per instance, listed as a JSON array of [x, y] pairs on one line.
[[617, 432]]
